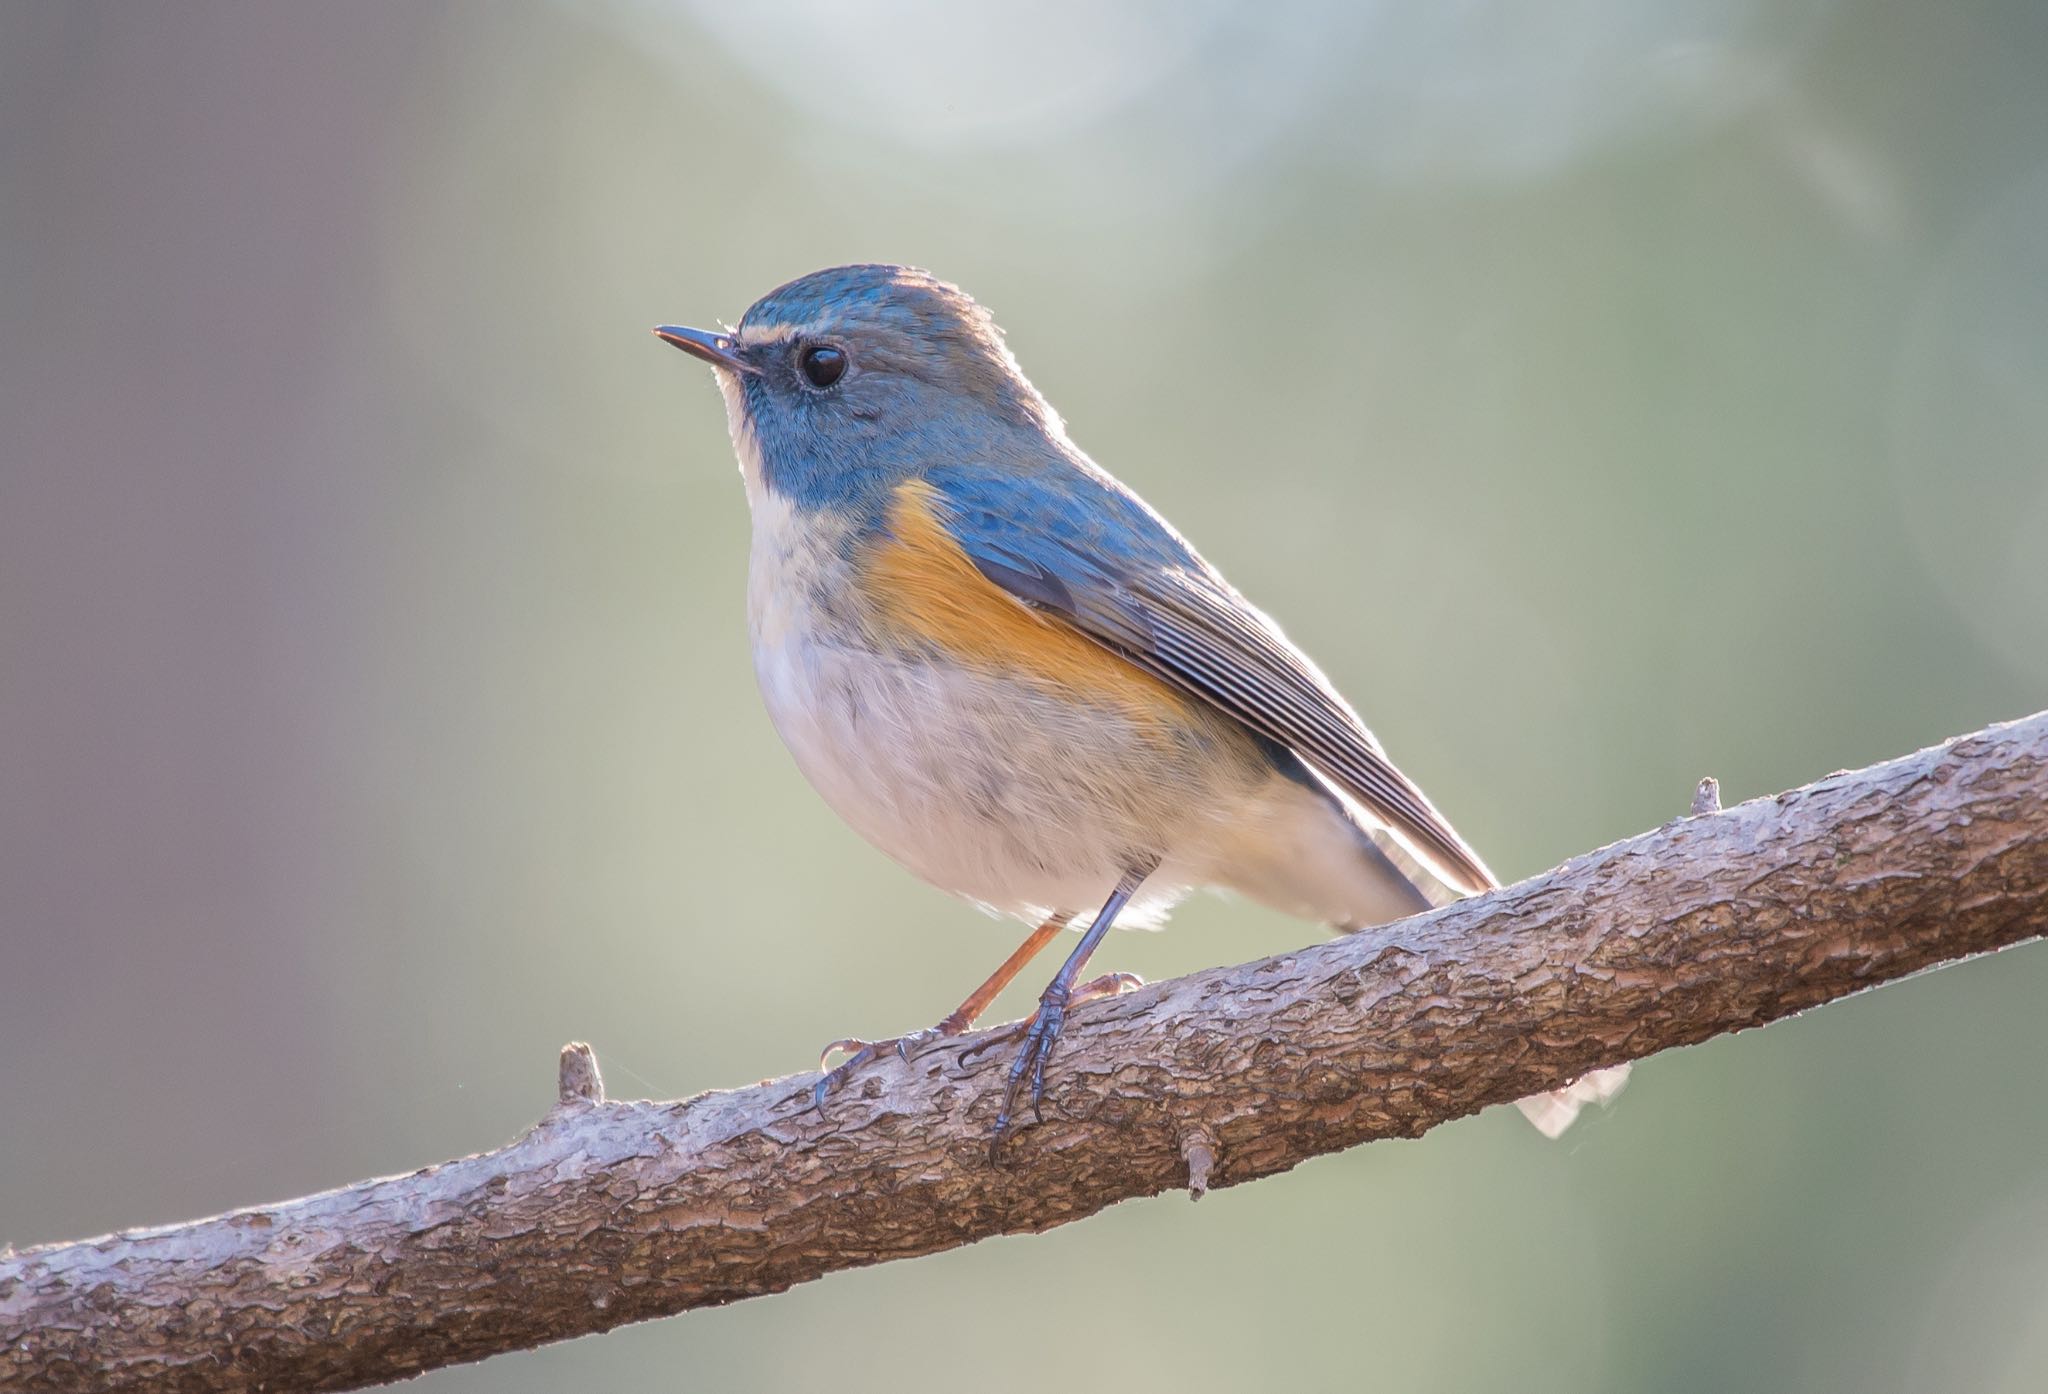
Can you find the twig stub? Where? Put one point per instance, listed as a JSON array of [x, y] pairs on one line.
[[1707, 798], [1198, 1150], [580, 1081]]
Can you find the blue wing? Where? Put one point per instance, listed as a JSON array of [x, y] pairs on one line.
[[1093, 554]]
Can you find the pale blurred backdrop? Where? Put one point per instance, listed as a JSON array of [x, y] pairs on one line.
[[1607, 394]]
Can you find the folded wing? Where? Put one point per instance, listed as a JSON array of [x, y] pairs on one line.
[[1136, 588]]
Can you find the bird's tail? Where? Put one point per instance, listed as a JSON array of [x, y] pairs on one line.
[[1553, 1112]]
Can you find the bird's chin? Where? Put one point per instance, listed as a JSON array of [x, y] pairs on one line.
[[745, 443]]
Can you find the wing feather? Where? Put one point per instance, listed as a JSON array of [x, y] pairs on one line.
[[1185, 625]]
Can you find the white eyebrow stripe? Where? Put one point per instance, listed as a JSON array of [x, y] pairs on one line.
[[758, 335]]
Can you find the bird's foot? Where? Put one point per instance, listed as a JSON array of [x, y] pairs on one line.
[[860, 1053], [1108, 985], [1041, 1033]]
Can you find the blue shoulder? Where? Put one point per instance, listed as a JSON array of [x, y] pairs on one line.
[[1060, 515]]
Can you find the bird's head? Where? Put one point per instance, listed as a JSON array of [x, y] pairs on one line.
[[848, 380]]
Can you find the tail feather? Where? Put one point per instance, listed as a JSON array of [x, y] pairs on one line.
[[1430, 886], [1552, 1113]]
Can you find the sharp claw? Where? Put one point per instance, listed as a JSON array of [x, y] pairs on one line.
[[995, 1143], [852, 1045], [858, 1053]]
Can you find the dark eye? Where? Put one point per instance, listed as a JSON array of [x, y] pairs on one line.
[[821, 364]]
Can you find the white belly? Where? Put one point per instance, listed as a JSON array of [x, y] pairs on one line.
[[954, 776]]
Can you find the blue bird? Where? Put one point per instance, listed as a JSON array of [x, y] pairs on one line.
[[1011, 675]]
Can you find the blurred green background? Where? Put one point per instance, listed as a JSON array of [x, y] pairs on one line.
[[1607, 394]]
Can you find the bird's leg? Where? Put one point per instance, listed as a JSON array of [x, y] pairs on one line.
[[955, 1023], [1053, 1005], [962, 1018]]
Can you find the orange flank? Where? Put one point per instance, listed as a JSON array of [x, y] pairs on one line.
[[923, 585]]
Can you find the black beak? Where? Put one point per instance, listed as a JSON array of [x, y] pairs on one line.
[[715, 349]]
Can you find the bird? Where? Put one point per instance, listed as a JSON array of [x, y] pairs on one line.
[[1016, 679]]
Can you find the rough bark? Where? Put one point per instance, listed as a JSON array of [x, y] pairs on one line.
[[609, 1212]]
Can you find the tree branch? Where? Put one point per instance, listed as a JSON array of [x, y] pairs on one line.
[[609, 1212]]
